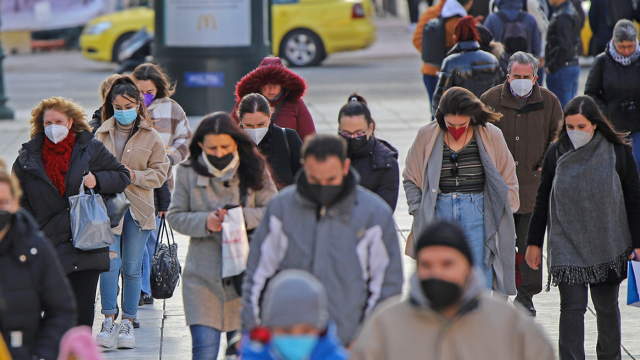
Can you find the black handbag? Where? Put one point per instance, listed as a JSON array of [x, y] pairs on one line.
[[165, 267], [117, 205]]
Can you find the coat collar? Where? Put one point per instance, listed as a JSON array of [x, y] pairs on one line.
[[110, 124], [464, 46]]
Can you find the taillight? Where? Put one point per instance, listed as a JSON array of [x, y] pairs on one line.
[[358, 11]]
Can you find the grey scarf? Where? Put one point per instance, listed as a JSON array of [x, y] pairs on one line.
[[624, 60], [588, 229]]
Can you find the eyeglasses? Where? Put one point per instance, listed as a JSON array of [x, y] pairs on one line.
[[454, 159], [358, 135]]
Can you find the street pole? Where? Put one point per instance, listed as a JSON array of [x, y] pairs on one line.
[[5, 112]]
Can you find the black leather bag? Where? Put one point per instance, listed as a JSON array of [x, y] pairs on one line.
[[117, 205], [165, 267]]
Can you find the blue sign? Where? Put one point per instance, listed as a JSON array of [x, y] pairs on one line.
[[203, 79]]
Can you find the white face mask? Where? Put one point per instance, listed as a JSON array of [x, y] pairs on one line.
[[579, 138], [257, 134], [56, 133], [521, 87]]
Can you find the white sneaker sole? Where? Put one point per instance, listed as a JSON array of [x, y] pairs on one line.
[[126, 343], [109, 343]]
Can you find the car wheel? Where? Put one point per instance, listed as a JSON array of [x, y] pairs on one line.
[[116, 46], [302, 48]]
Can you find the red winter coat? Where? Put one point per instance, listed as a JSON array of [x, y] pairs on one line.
[[294, 113]]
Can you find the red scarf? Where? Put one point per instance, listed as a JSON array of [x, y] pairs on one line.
[[55, 158]]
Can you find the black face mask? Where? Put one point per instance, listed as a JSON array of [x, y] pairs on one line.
[[441, 294], [325, 194], [5, 218], [356, 145], [220, 162]]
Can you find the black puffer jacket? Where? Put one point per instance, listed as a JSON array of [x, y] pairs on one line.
[[33, 283], [469, 67], [284, 163], [563, 38], [51, 211], [96, 120], [377, 165], [615, 87]]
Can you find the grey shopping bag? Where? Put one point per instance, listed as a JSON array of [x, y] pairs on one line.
[[90, 224]]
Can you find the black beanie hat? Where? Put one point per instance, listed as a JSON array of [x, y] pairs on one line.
[[445, 233]]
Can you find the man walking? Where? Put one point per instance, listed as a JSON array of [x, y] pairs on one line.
[[562, 50], [329, 226], [530, 116], [449, 314]]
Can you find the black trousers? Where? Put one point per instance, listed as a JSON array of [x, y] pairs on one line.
[[532, 279], [573, 305], [414, 9], [84, 284]]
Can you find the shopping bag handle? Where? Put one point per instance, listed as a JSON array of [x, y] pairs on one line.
[[164, 229], [83, 190]]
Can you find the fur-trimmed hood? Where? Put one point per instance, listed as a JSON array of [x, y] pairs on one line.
[[272, 71]]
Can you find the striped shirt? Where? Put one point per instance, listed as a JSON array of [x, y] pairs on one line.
[[470, 173]]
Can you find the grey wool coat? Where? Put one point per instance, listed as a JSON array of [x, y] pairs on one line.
[[208, 300]]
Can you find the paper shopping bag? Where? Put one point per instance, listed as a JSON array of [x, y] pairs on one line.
[[235, 243]]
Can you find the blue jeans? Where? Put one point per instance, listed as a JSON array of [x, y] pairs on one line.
[[430, 82], [149, 249], [564, 83], [205, 342], [467, 210], [133, 239]]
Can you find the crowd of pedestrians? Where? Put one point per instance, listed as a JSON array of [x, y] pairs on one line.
[[492, 171]]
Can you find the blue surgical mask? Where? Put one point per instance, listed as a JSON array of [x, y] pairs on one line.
[[294, 347], [126, 117]]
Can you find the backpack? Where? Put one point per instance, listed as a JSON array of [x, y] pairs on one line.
[[434, 41], [514, 34]]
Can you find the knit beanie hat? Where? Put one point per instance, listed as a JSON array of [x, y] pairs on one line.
[[295, 297], [445, 233], [485, 35]]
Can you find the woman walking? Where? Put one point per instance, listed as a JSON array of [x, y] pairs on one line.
[[284, 89], [127, 133], [614, 81], [280, 146], [460, 169], [224, 169], [375, 159], [592, 224], [171, 122], [61, 155], [32, 281]]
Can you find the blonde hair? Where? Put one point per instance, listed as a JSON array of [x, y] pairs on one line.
[[106, 85], [65, 106], [7, 177]]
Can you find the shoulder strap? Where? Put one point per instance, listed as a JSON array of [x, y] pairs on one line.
[[275, 113], [286, 141]]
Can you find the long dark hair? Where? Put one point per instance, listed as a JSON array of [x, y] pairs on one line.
[[153, 73], [253, 165], [356, 105], [460, 101], [126, 87], [587, 107]]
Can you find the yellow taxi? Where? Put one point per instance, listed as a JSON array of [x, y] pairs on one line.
[[304, 31]]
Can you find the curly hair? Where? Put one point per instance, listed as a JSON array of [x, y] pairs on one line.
[[63, 105], [8, 178], [153, 73]]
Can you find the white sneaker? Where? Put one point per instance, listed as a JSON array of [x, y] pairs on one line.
[[126, 338], [108, 335]]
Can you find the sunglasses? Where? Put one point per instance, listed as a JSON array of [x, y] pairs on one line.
[[454, 159]]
